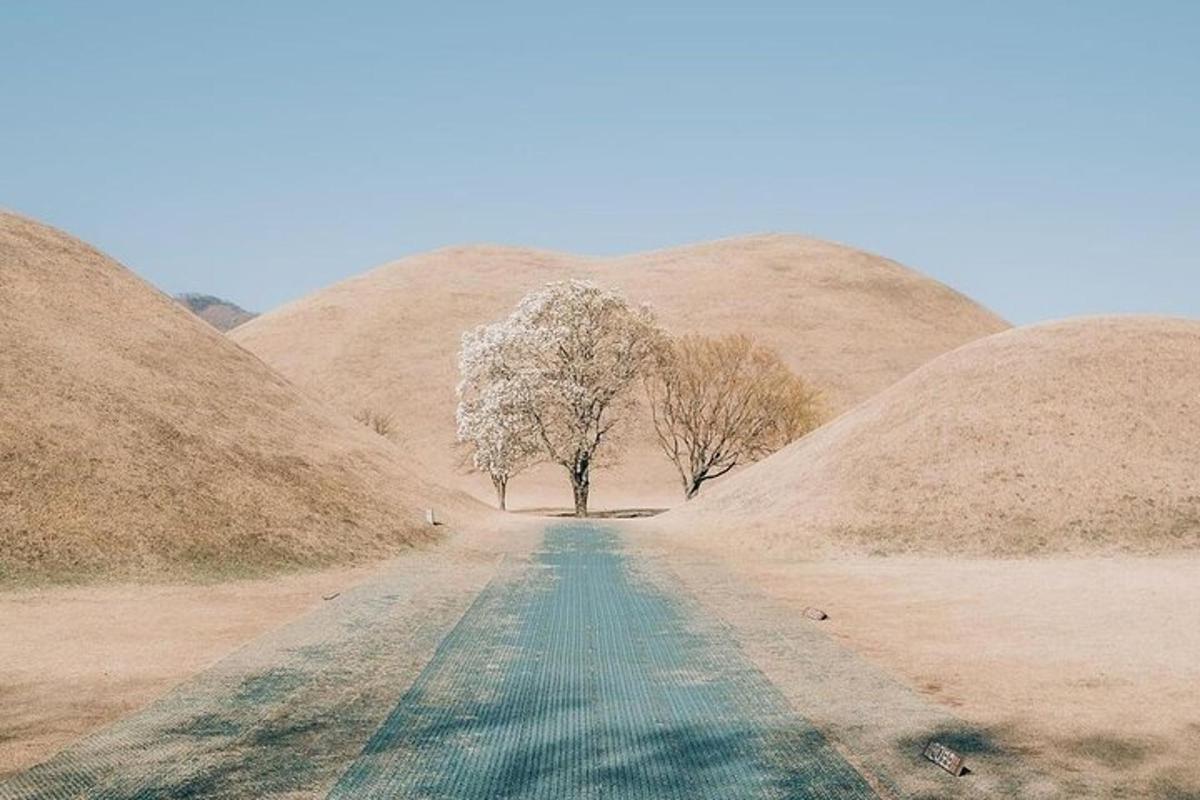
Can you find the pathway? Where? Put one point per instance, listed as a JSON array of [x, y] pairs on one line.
[[566, 674]]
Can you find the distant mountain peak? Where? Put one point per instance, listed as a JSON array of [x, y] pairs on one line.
[[221, 314]]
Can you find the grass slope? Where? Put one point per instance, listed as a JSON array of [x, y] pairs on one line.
[[136, 439], [1080, 436], [851, 322]]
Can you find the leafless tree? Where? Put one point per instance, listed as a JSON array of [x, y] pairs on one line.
[[720, 402], [377, 421]]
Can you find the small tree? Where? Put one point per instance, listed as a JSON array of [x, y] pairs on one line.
[[491, 419], [565, 361], [377, 421], [717, 403]]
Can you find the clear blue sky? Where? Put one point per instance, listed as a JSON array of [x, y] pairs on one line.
[[1039, 156]]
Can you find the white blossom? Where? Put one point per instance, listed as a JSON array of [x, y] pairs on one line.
[[553, 380]]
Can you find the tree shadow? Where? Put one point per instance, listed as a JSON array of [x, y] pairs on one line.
[[1115, 752], [580, 745], [556, 512], [966, 740]]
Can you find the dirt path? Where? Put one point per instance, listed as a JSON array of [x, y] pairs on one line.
[[581, 669]]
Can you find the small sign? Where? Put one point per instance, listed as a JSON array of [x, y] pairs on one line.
[[430, 519], [945, 758], [815, 613]]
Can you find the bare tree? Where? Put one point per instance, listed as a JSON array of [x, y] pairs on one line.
[[377, 421], [567, 360], [720, 402]]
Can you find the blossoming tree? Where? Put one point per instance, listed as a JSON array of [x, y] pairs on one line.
[[553, 380], [491, 418]]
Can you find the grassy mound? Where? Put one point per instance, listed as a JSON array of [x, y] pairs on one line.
[[135, 439], [1080, 436], [850, 322]]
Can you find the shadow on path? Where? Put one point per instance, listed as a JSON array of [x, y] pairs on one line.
[[576, 680]]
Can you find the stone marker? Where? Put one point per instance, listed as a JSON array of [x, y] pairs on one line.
[[815, 613], [430, 519], [945, 758]]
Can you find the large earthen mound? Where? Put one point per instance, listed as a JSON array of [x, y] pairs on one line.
[[135, 439], [850, 322], [1080, 436]]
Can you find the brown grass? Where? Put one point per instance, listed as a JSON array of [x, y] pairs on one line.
[[77, 658], [1086, 666], [851, 323], [136, 439], [377, 421], [1080, 436]]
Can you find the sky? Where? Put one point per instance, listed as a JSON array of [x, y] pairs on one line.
[[1041, 157]]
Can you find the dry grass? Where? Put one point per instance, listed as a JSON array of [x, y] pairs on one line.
[[1080, 436], [849, 322], [1087, 666], [377, 421], [78, 658], [135, 439]]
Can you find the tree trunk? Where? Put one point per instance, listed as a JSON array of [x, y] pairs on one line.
[[501, 485], [581, 496], [694, 488], [580, 479]]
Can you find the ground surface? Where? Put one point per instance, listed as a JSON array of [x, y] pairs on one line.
[[1088, 667], [571, 665], [76, 658]]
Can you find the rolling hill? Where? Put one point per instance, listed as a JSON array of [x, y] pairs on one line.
[[135, 439], [850, 322], [1081, 436]]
